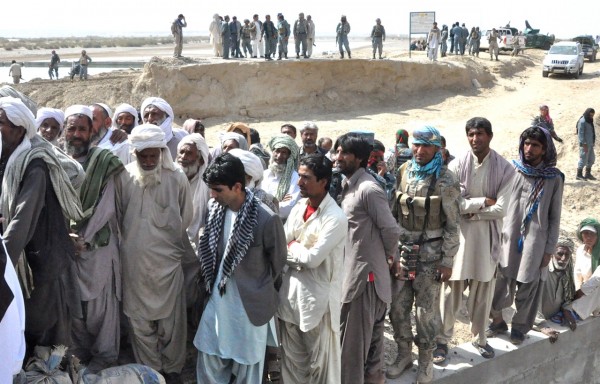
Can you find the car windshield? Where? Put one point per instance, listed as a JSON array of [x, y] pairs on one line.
[[563, 50]]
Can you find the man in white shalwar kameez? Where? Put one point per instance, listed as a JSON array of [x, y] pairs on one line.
[[215, 35], [310, 294], [154, 208], [484, 178], [242, 252]]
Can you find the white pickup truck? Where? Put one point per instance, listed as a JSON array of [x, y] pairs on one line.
[[506, 35]]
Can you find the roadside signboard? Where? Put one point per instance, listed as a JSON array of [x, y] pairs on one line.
[[420, 23]]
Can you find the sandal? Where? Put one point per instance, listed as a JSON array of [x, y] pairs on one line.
[[440, 353], [485, 351]]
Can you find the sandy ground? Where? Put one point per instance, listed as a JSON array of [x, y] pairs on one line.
[[507, 92]]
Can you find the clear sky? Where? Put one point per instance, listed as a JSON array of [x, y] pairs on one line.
[[37, 18]]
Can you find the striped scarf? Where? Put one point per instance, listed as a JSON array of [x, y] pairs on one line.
[[241, 238], [547, 170]]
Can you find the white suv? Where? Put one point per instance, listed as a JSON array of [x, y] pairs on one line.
[[564, 57]]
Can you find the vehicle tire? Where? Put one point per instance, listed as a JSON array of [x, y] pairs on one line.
[[581, 70], [593, 58], [544, 73], [546, 46], [576, 74]]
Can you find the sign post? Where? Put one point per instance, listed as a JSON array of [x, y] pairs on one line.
[[420, 23]]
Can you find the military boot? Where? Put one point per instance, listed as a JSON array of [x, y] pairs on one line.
[[341, 55], [580, 174], [425, 372], [403, 361], [588, 174], [279, 58], [373, 56], [349, 55], [285, 55]]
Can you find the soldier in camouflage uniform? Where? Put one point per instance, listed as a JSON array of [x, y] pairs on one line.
[[426, 207], [247, 31], [378, 37], [283, 30]]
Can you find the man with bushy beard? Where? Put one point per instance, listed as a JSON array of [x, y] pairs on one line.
[[281, 178], [192, 157], [154, 209], [96, 334]]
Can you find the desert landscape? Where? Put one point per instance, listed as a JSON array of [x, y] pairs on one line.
[[344, 95]]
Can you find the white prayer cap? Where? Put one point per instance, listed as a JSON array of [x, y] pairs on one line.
[[79, 110], [252, 165], [125, 108], [590, 228], [18, 114], [147, 136], [197, 140], [225, 136], [166, 108], [104, 106], [50, 113]]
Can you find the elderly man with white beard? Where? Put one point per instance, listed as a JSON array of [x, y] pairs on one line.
[[281, 178], [158, 112], [154, 208], [192, 157]]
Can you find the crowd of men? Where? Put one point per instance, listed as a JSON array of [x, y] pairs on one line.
[[120, 224]]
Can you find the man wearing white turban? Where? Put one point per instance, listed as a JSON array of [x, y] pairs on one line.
[[158, 112], [154, 209], [281, 178], [12, 319], [36, 201], [49, 123], [254, 175], [125, 118], [215, 35], [192, 157], [104, 136], [96, 334]]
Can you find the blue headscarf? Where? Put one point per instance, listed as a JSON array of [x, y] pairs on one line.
[[427, 135]]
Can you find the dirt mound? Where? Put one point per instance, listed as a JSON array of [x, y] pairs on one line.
[[236, 89]]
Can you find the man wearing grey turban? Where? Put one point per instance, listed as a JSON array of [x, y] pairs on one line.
[[36, 201], [281, 178], [155, 209], [557, 291]]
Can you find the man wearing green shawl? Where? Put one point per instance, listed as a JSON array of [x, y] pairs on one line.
[[96, 335], [587, 297]]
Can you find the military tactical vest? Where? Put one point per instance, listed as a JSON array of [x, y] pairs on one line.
[[378, 31], [414, 210]]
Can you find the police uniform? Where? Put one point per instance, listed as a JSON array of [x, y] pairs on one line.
[[283, 30], [377, 36], [300, 36]]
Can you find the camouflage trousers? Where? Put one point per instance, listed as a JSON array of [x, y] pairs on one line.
[[424, 293]]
